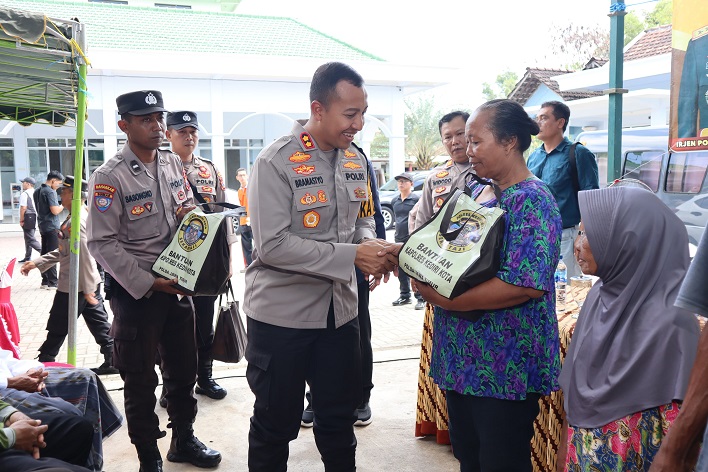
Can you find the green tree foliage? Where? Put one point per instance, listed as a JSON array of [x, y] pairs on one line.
[[503, 86], [379, 146], [661, 14], [633, 25], [421, 128]]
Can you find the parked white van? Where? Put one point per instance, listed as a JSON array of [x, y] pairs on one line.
[[678, 178]]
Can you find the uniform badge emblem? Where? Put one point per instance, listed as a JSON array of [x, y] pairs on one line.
[[299, 157], [193, 232], [308, 199], [103, 197], [206, 189], [441, 189], [307, 141], [360, 193], [348, 154], [351, 165], [321, 196], [442, 173], [181, 195], [439, 202], [221, 180], [150, 99], [303, 169], [204, 172], [186, 117], [148, 206], [311, 219], [137, 210]]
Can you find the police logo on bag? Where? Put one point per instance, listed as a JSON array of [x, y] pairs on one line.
[[193, 232], [470, 235]]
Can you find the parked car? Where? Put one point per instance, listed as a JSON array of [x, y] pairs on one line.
[[390, 189], [677, 178]]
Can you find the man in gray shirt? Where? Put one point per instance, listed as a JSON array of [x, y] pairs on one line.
[[47, 206]]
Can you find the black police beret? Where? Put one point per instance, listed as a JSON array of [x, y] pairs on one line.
[[69, 183], [142, 102], [182, 119]]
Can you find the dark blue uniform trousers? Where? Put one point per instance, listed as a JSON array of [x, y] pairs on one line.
[[142, 328], [280, 361]]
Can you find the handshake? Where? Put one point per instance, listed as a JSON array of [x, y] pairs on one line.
[[377, 258]]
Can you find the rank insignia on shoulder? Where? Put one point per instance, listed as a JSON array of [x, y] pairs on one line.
[[299, 157], [442, 173], [307, 141], [303, 169], [348, 154], [137, 210], [321, 196], [449, 163], [351, 165], [311, 219], [441, 189], [308, 199], [135, 166]]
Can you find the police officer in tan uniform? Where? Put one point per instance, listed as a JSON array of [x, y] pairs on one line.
[[137, 200], [90, 302], [451, 175], [309, 206], [206, 182]]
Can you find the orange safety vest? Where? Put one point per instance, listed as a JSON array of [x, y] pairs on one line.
[[243, 199]]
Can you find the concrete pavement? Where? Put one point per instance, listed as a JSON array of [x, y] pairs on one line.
[[387, 444]]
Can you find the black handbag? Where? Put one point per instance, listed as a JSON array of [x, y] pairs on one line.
[[30, 221], [459, 248], [229, 335]]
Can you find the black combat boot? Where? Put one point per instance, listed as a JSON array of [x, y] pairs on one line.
[[185, 447], [150, 458], [205, 384], [107, 367]]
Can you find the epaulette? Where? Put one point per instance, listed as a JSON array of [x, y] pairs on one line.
[[274, 148]]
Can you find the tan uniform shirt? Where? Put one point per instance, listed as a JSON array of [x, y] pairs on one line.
[[207, 181], [304, 206], [128, 207], [89, 278], [438, 185]]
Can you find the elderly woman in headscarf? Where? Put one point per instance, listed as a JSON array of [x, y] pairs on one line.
[[628, 364]]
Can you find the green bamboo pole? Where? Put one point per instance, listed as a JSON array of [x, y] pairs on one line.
[[76, 205]]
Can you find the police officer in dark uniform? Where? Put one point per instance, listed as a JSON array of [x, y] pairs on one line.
[[693, 93], [137, 200], [208, 186]]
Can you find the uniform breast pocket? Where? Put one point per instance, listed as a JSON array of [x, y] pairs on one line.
[[313, 210], [142, 223], [179, 196]]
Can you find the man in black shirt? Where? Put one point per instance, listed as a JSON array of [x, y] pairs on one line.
[[402, 205], [48, 208]]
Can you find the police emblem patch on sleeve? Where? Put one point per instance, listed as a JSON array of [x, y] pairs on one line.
[[103, 196]]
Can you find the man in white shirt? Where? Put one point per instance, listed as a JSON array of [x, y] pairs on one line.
[[28, 218]]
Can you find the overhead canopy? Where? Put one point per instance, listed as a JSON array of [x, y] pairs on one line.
[[39, 74]]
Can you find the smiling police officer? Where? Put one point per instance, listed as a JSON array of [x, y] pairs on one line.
[[208, 186], [138, 198]]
